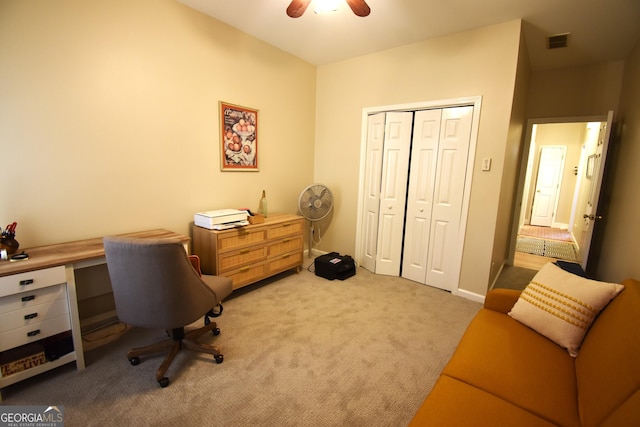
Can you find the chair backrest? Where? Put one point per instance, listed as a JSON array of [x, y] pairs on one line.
[[154, 283]]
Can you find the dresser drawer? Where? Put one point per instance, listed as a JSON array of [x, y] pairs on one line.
[[36, 279], [240, 238], [240, 257], [35, 332], [31, 315], [246, 275], [31, 298], [285, 229], [285, 245], [284, 262]]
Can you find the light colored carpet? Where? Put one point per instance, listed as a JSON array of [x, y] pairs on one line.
[[299, 351]]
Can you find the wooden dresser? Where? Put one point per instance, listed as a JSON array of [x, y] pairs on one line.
[[253, 252]]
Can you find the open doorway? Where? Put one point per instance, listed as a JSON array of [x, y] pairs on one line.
[[559, 190]]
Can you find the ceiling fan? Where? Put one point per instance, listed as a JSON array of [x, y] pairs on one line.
[[297, 7]]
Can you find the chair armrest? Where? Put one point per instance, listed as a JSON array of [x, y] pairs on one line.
[[195, 261], [501, 300]]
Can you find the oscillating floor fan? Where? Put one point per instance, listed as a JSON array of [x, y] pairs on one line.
[[315, 203]]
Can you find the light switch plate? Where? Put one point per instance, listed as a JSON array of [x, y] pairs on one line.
[[486, 164]]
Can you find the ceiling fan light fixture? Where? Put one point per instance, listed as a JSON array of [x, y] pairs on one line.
[[325, 6]]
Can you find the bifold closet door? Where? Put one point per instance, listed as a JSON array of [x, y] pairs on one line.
[[432, 248], [393, 192], [424, 159], [386, 173], [372, 177]]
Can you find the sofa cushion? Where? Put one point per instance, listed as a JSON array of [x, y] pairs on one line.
[[514, 363], [608, 366], [454, 403], [561, 305]]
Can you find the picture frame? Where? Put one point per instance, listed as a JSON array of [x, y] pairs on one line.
[[238, 138]]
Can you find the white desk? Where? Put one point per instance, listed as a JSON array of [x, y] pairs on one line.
[[31, 294]]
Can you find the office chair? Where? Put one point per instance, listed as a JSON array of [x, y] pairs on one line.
[[156, 285]]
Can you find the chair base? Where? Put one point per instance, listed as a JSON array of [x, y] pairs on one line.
[[179, 340]]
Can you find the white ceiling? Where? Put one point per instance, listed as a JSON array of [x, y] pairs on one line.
[[601, 30]]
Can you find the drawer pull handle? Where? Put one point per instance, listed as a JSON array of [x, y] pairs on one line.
[[286, 256], [285, 240], [30, 316], [245, 251], [33, 333], [286, 225], [245, 269], [28, 298], [26, 282]]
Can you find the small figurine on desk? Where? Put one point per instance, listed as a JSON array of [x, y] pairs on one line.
[[8, 239]]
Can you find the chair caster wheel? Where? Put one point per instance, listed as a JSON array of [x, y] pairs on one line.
[[216, 331], [164, 381], [134, 360], [219, 358]]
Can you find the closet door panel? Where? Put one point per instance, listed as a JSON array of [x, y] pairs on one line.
[[372, 177], [393, 191], [424, 158], [453, 153]]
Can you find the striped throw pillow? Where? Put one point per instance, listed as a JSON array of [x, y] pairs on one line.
[[562, 306]]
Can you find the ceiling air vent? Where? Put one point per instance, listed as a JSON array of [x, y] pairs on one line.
[[557, 41]]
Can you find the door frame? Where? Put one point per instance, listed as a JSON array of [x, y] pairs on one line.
[[476, 103], [517, 216]]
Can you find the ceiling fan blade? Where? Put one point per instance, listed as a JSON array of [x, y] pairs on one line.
[[297, 7], [359, 7]]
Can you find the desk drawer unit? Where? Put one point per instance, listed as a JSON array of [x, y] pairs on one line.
[[251, 253], [29, 316]]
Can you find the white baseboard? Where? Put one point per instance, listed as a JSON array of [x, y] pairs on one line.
[[472, 296]]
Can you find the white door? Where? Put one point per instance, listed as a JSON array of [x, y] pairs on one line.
[[393, 191], [445, 247], [597, 174], [545, 199], [424, 157], [372, 177]]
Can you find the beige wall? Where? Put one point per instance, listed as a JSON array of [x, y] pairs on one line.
[[619, 257], [475, 63], [576, 91], [510, 173], [109, 117]]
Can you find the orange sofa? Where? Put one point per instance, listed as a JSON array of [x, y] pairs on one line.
[[505, 374]]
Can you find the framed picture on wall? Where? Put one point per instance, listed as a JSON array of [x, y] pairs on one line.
[[239, 138]]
